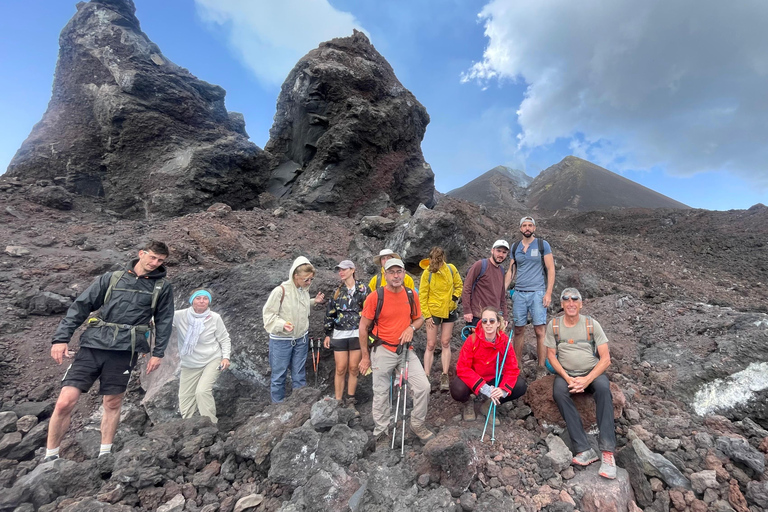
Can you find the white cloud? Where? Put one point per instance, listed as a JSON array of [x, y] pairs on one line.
[[271, 36], [637, 84]]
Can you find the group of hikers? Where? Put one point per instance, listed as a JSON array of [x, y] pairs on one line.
[[370, 328]]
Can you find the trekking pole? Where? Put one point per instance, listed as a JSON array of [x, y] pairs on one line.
[[405, 397], [317, 364], [397, 407], [493, 404], [391, 387], [499, 371]]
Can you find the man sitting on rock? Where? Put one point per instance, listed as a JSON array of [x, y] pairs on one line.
[[127, 301], [577, 350], [399, 317]]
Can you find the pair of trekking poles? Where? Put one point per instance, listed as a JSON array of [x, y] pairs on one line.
[[402, 381], [315, 360], [492, 408]]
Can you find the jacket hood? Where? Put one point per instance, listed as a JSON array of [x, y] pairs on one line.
[[301, 260], [158, 273], [424, 264]]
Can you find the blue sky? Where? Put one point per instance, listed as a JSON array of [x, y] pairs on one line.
[[669, 95]]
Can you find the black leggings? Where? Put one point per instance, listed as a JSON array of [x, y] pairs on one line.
[[461, 392]]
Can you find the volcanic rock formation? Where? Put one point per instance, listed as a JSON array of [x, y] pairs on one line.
[[348, 134], [501, 186], [584, 186], [126, 123]]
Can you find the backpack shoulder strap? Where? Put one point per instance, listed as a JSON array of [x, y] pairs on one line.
[[282, 296], [483, 268], [429, 279], [591, 333], [409, 292], [556, 329], [113, 280], [156, 294], [512, 253], [379, 304], [378, 280]]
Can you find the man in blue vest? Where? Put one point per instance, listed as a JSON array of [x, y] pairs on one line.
[[533, 270]]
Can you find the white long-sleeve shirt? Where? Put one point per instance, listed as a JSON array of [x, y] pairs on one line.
[[213, 343]]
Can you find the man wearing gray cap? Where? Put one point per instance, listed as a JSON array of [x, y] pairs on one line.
[[380, 279], [484, 285], [392, 323], [533, 269]]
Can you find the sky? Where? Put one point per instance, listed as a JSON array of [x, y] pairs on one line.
[[671, 95]]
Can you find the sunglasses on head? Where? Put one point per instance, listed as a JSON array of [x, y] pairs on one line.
[[489, 320], [569, 297]]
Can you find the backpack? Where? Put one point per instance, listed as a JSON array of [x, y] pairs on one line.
[[541, 253], [375, 341], [590, 332], [483, 268], [115, 278]]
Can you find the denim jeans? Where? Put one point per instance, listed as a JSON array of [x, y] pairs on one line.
[[285, 354]]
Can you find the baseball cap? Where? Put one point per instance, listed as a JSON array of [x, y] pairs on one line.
[[528, 219], [501, 243], [345, 264], [394, 262]]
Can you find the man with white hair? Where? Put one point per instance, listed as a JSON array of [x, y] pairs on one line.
[[533, 269], [577, 350]]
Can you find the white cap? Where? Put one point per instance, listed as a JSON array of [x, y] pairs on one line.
[[394, 262], [384, 252], [501, 243], [527, 219]]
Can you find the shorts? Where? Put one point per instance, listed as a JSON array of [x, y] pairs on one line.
[[345, 344], [452, 317], [524, 303], [112, 367]]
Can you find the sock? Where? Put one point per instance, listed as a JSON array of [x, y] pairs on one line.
[[51, 452], [105, 449]]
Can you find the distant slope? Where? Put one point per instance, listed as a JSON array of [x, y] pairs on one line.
[[499, 187], [582, 185]]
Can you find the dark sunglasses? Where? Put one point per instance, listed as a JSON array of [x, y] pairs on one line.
[[568, 297], [489, 320]]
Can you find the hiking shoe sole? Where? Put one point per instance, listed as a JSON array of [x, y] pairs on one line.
[[585, 458]]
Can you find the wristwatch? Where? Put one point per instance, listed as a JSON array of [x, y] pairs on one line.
[[412, 327]]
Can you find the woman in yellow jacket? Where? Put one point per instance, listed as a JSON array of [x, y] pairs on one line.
[[440, 289]]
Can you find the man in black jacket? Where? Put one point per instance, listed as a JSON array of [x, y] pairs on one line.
[[127, 301]]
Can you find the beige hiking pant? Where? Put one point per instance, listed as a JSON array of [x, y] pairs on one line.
[[383, 363], [196, 390]]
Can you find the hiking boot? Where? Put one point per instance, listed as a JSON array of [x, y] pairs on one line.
[[422, 432], [469, 411], [350, 403], [484, 411], [445, 385], [586, 458], [608, 466], [50, 458]]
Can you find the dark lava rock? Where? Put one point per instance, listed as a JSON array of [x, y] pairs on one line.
[[40, 409], [451, 452], [48, 481], [739, 450], [127, 124], [347, 133], [539, 397], [53, 196]]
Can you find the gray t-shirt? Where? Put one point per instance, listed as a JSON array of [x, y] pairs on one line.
[[530, 272], [575, 350]]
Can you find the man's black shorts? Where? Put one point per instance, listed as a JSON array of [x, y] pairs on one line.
[[345, 344], [452, 317], [112, 368]]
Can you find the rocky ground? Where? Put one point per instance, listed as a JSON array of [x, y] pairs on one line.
[[680, 293]]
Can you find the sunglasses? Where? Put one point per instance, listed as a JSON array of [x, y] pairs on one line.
[[489, 320], [308, 280], [568, 297]]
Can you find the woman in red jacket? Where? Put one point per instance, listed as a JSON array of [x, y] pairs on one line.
[[476, 368]]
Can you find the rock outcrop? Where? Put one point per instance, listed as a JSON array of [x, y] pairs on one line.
[[127, 124], [347, 134]]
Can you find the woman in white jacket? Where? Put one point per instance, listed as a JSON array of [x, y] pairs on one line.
[[286, 320], [204, 349]]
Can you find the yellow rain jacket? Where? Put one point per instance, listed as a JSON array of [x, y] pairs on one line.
[[437, 292]]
